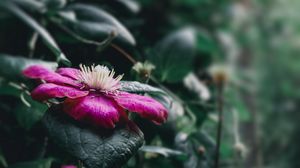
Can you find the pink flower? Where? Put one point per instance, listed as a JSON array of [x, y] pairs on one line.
[[93, 94]]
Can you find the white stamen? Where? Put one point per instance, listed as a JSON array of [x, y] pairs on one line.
[[99, 77]]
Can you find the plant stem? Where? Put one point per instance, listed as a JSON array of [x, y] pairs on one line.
[[102, 44], [129, 57], [220, 123], [32, 44]]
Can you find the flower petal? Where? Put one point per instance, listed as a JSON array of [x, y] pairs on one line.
[[39, 72], [97, 109], [143, 105], [69, 72], [68, 166], [49, 90]]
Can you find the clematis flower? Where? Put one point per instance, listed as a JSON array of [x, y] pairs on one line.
[[93, 94]]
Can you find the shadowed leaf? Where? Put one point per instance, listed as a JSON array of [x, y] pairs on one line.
[[173, 56], [93, 23], [43, 163], [11, 66], [96, 148], [47, 38]]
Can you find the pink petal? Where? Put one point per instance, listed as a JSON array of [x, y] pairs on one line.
[[69, 72], [97, 109], [143, 105], [68, 166], [49, 90], [39, 72]]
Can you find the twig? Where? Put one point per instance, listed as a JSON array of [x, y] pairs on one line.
[[220, 123], [129, 57], [236, 134], [103, 43]]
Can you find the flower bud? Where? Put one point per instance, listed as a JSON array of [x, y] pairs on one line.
[[143, 69], [220, 74]]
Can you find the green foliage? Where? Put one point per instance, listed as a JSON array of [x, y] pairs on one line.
[[205, 42], [137, 87], [3, 162], [7, 89], [48, 39], [97, 148], [43, 163], [35, 111], [93, 23], [12, 66], [173, 56]]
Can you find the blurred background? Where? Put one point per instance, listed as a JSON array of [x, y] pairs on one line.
[[252, 46]]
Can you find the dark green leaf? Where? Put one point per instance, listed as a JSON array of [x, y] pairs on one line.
[[205, 43], [132, 5], [43, 163], [32, 5], [93, 23], [96, 148], [7, 89], [28, 116], [174, 55], [55, 4], [3, 162], [137, 87], [12, 66], [47, 38]]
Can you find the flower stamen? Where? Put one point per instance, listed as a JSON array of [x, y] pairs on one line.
[[99, 77]]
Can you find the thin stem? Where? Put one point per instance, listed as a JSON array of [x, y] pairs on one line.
[[129, 57], [80, 164], [32, 44], [220, 123], [103, 43], [133, 61], [235, 116]]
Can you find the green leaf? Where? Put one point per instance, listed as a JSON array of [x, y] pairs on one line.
[[137, 87], [28, 116], [55, 4], [31, 5], [11, 66], [3, 162], [174, 55], [93, 23], [131, 5], [163, 151], [95, 147], [43, 163], [7, 89], [205, 43], [47, 38]]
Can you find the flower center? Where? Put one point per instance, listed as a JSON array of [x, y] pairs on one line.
[[99, 77]]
